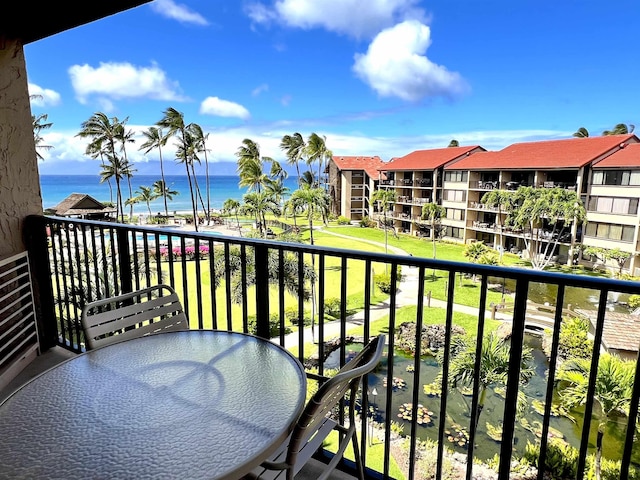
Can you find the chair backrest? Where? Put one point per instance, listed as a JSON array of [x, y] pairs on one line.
[[143, 312], [331, 392]]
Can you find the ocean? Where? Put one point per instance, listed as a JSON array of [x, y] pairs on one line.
[[56, 188]]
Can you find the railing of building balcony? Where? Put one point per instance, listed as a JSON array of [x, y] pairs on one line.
[[253, 285], [423, 182]]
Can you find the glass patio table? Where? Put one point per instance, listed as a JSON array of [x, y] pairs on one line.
[[194, 404]]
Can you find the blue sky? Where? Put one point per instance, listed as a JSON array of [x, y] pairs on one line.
[[376, 77]]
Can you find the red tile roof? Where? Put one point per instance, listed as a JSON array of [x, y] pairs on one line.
[[429, 159], [369, 164], [549, 154], [629, 156]]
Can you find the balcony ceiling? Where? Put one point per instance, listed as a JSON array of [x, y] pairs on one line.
[[33, 20]]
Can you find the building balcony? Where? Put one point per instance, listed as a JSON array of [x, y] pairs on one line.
[[252, 285]]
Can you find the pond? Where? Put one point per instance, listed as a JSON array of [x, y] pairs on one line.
[[459, 406], [576, 297]]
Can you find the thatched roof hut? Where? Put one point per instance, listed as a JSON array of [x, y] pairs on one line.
[[81, 205]]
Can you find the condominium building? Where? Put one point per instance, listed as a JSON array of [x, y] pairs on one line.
[[418, 178], [352, 181], [604, 172]]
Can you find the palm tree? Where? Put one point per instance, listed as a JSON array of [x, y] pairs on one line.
[[161, 189], [40, 123], [317, 151], [581, 133], [125, 137], [250, 165], [620, 129], [259, 204], [494, 367], [294, 146], [147, 195], [232, 206], [433, 213], [155, 139], [201, 146], [103, 131], [499, 199], [614, 385], [384, 197], [277, 189], [240, 281], [313, 200], [454, 143], [173, 121]]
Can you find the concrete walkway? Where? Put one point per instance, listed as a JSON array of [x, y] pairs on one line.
[[405, 296]]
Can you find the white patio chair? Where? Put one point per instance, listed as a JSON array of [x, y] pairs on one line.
[[315, 423], [143, 312]]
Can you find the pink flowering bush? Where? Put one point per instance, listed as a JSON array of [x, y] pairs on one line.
[[188, 253]]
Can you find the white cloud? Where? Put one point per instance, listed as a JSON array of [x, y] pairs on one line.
[[223, 108], [396, 65], [259, 89], [43, 97], [349, 17], [122, 80], [178, 11]]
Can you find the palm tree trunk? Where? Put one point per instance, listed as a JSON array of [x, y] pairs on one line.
[[238, 222], [193, 198], [598, 460], [208, 185], [164, 184], [130, 196]]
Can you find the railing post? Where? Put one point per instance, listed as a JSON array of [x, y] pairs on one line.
[[262, 291], [124, 261], [35, 238]]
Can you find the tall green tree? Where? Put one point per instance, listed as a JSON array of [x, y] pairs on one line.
[[125, 136], [433, 213], [613, 388], [155, 139], [581, 133], [501, 201], [385, 198], [200, 139], [620, 129], [259, 204], [103, 132], [173, 122], [251, 166], [232, 207], [317, 151], [294, 147], [39, 124], [161, 189], [312, 201], [453, 143], [547, 213], [146, 195]]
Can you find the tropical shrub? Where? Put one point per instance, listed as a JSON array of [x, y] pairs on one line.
[[332, 306], [343, 220], [574, 341], [383, 281], [274, 325]]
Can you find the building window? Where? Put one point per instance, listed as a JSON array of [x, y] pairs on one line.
[[455, 214], [607, 231], [616, 177], [455, 176], [454, 195], [618, 205], [454, 232]]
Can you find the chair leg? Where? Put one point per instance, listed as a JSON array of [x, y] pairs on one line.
[[356, 455]]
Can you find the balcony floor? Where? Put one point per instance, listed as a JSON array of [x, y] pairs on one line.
[[55, 355]]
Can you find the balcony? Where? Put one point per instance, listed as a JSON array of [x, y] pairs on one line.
[[255, 285]]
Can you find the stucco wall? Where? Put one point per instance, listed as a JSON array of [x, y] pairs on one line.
[[19, 180]]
